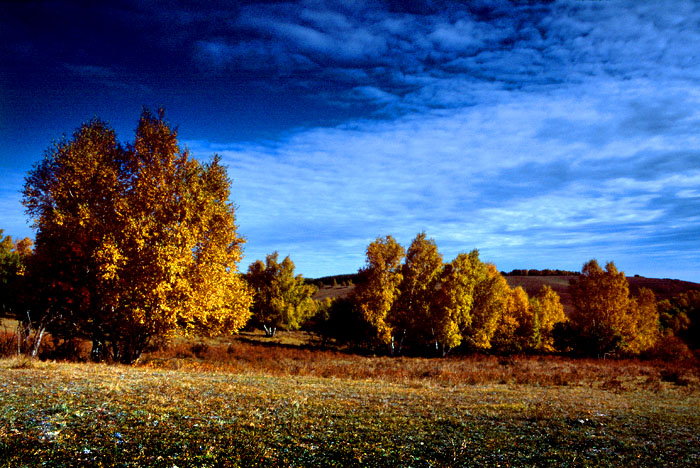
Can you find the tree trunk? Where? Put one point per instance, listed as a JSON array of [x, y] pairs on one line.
[[38, 335], [97, 351], [40, 330], [25, 330], [396, 349]]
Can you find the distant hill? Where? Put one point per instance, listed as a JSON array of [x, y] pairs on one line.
[[329, 280], [532, 284], [662, 288]]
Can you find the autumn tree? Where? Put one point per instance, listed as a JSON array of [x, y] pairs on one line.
[[645, 316], [71, 196], [548, 312], [13, 257], [518, 328], [680, 316], [412, 312], [16, 293], [137, 242], [453, 301], [491, 294], [378, 287], [601, 306], [281, 299], [606, 317]]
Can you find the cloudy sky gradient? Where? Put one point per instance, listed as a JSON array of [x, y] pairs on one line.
[[543, 134]]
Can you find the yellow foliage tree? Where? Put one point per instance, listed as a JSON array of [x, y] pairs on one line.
[[72, 197], [645, 314], [454, 300], [548, 311], [605, 315], [491, 294], [378, 286], [412, 312], [518, 328], [138, 242], [282, 300]]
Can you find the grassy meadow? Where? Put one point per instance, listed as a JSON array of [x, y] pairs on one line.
[[252, 401]]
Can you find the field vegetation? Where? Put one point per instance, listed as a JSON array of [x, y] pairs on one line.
[[256, 401]]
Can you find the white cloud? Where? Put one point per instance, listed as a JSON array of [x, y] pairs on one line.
[[433, 171]]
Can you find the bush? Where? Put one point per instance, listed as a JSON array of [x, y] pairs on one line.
[[675, 376], [199, 349], [8, 343], [63, 350], [669, 348]]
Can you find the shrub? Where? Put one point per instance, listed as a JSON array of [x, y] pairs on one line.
[[72, 349], [669, 348], [8, 343], [675, 376], [199, 349]]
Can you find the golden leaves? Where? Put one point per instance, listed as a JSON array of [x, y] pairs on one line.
[[607, 314], [376, 293], [150, 229], [282, 300]]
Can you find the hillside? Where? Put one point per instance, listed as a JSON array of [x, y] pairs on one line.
[[662, 288]]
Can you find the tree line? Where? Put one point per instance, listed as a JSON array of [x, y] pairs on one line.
[[412, 299], [138, 242], [545, 272]]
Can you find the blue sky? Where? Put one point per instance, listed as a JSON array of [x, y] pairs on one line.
[[543, 134]]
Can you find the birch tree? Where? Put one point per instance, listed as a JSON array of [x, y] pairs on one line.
[[281, 299], [378, 286], [138, 241]]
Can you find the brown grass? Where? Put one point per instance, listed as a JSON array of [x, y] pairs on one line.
[[333, 292], [283, 356]]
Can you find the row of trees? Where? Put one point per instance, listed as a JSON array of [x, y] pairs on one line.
[[545, 272], [413, 298]]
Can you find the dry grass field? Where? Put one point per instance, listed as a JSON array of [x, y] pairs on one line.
[[281, 402], [333, 292]]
